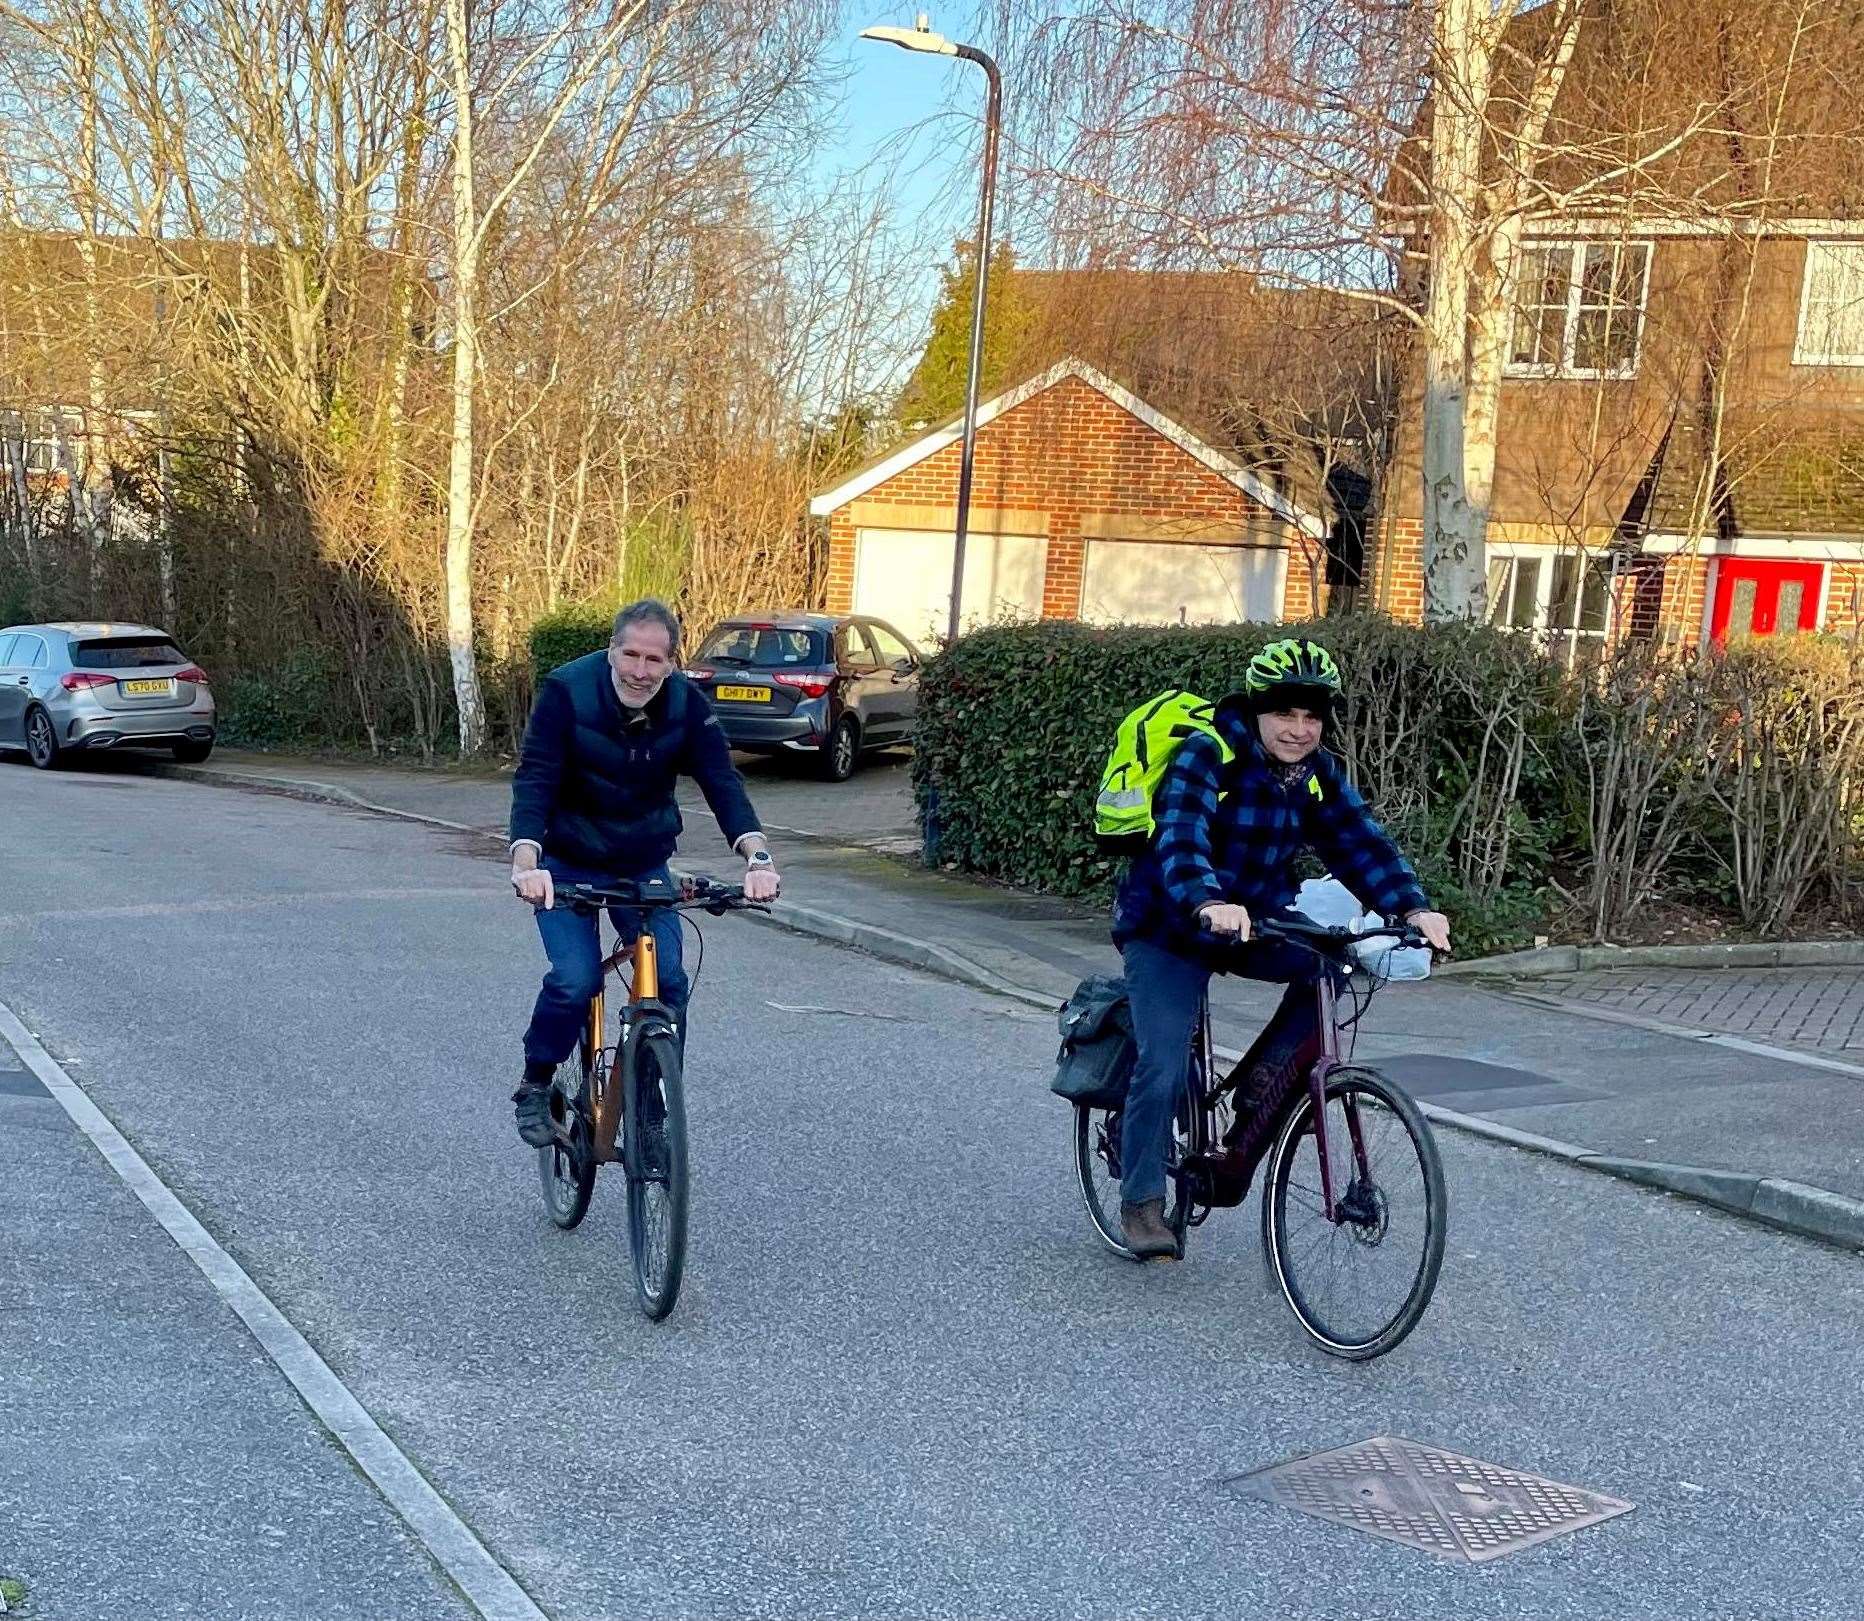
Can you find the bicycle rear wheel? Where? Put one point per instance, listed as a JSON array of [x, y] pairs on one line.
[[1097, 1170], [567, 1173], [1357, 1285], [657, 1175]]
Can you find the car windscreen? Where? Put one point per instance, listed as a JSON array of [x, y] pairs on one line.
[[122, 653], [760, 647]]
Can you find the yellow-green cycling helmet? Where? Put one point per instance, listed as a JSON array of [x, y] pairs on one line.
[[1297, 673]]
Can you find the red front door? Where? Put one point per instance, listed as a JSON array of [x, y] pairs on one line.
[[1756, 598]]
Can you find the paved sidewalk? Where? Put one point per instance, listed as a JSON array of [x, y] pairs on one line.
[[1820, 1010], [1606, 1085]]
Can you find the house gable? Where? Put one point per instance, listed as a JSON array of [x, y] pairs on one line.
[[929, 444], [1087, 502]]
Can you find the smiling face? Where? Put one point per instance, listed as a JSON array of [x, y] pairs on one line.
[[1289, 735], [642, 660]]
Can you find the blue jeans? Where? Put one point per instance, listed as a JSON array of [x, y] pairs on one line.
[[572, 941], [1165, 991]]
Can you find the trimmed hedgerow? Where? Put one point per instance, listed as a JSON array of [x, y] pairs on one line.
[[1453, 734], [1520, 790], [569, 631]]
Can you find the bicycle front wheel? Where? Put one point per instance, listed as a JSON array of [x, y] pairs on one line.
[[654, 1156], [1357, 1283]]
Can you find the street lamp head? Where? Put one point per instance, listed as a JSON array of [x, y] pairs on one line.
[[920, 38]]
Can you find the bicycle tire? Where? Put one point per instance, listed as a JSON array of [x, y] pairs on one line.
[[1091, 1169], [657, 1207], [567, 1175], [1366, 1089]]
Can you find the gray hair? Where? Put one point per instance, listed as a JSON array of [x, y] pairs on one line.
[[649, 611]]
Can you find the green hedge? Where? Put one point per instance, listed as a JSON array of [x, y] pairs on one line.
[[1523, 792], [293, 705], [569, 631], [1015, 723]]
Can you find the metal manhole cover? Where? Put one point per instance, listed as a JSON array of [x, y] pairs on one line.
[[1427, 1498]]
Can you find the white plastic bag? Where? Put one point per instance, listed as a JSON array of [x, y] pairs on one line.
[[1330, 903]]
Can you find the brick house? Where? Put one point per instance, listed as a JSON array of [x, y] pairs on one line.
[[1680, 438], [1087, 503], [1621, 505]]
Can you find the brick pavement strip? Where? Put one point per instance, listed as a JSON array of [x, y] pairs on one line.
[[1814, 1009]]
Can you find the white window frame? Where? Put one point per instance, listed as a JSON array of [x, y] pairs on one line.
[[1804, 351], [1576, 248], [35, 429], [1563, 639]]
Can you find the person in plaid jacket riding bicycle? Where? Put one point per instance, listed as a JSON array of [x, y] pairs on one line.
[[1227, 834]]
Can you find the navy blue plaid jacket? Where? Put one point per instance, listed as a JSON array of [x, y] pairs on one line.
[[1243, 849]]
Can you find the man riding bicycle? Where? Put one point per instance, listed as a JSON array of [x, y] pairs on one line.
[[592, 802], [1227, 835]]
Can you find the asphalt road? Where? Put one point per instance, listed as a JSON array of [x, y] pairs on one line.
[[903, 1380]]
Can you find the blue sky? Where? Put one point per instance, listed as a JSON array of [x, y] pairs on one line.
[[918, 116]]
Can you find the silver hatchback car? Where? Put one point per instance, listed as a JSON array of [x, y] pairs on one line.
[[67, 686]]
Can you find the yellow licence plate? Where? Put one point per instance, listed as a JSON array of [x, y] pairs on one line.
[[746, 695], [163, 687]]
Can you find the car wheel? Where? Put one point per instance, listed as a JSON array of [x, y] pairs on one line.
[[41, 739], [841, 751], [193, 753]]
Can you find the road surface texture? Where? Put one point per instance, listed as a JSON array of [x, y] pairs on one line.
[[903, 1380]]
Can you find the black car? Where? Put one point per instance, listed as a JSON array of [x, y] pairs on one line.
[[826, 685]]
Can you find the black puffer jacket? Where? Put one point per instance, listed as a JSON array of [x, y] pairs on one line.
[[595, 789]]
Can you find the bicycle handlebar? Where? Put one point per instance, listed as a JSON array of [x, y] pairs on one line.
[[699, 891], [1333, 936]]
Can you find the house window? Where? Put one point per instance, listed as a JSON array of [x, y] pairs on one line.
[[1831, 306], [1578, 309], [34, 436], [1563, 596]]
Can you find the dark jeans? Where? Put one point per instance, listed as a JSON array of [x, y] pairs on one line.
[[1165, 990], [572, 940]]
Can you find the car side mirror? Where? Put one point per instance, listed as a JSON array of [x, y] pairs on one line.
[[904, 666]]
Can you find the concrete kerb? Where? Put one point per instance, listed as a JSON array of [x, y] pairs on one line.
[[1795, 1207], [1549, 960], [323, 793]]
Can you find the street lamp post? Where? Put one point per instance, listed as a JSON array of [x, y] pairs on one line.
[[921, 38]]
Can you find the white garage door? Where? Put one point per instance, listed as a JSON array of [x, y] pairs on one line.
[[904, 577], [1131, 582]]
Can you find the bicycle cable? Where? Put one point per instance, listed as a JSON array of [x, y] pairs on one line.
[[692, 980]]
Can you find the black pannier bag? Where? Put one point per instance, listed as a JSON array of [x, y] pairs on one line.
[[1095, 1064]]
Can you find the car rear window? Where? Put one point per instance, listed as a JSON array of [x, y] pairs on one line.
[[123, 654], [761, 648]]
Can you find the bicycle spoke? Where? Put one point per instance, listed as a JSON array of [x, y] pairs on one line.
[[1314, 1199]]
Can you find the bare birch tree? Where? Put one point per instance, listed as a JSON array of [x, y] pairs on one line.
[[658, 302], [1331, 145]]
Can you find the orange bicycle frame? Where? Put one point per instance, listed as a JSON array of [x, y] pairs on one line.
[[643, 960]]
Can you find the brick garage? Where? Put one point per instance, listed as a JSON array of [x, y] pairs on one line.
[[1086, 503]]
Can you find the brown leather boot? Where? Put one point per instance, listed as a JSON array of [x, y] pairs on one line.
[[1143, 1227]]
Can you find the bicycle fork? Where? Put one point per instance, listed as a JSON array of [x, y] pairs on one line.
[[644, 960], [1323, 1071]]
